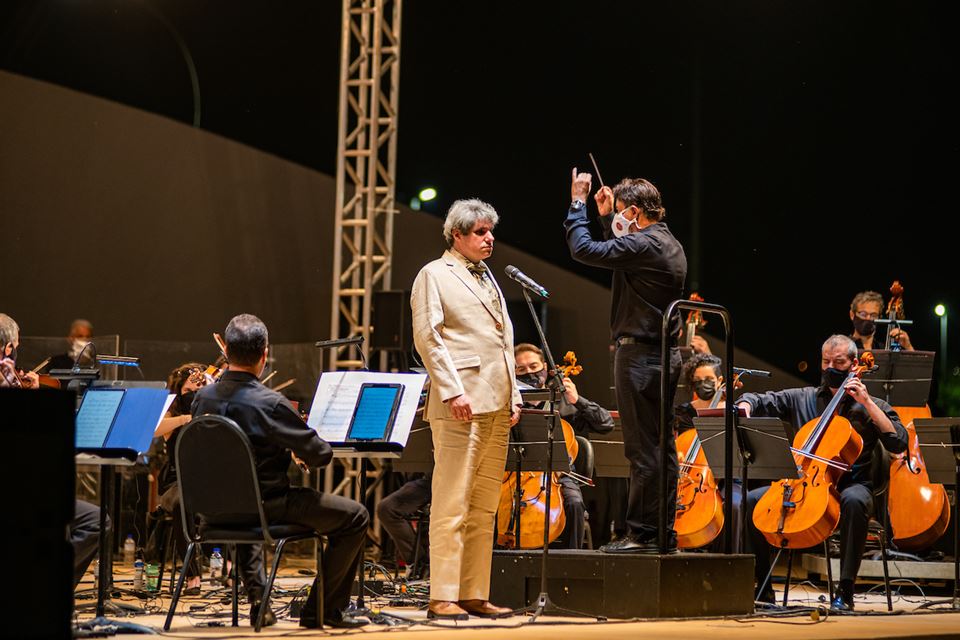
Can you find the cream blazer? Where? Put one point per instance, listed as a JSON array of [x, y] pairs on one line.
[[465, 345]]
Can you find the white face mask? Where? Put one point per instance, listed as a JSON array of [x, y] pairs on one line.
[[77, 346], [621, 225]]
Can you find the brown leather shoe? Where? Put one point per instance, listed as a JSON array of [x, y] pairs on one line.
[[446, 610], [484, 609]]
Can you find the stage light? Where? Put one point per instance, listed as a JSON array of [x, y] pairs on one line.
[[415, 203], [427, 194], [940, 310]]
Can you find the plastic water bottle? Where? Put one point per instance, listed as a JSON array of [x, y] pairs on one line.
[[129, 549], [138, 568], [216, 564], [152, 572]]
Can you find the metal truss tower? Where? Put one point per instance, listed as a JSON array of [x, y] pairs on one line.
[[366, 168]]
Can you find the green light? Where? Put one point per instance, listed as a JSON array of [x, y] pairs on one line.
[[427, 194], [940, 310]]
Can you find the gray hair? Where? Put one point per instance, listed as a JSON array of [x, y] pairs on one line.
[[464, 214], [864, 297], [838, 340], [9, 330]]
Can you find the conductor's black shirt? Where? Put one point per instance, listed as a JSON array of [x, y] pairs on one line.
[[271, 423], [649, 268], [799, 406]]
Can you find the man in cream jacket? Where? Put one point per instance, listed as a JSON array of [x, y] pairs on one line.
[[463, 333]]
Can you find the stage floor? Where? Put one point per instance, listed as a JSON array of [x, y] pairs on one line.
[[197, 613]]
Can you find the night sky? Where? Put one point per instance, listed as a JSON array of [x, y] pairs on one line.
[[818, 141]]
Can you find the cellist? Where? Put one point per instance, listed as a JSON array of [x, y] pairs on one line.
[[702, 374], [873, 419], [582, 414]]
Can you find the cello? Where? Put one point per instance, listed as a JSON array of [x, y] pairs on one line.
[[797, 513], [529, 515]]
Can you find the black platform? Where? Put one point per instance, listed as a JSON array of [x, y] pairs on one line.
[[628, 585]]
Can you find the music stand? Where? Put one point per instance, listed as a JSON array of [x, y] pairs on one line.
[[529, 451], [609, 460], [334, 409], [122, 442], [417, 456], [941, 453], [764, 446], [902, 378]]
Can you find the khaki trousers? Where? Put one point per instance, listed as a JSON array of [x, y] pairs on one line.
[[469, 458]]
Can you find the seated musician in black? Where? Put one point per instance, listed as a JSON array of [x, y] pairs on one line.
[[394, 511], [276, 430], [84, 529], [702, 374], [873, 419], [582, 414]]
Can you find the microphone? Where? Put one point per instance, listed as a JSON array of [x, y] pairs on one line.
[[526, 281]]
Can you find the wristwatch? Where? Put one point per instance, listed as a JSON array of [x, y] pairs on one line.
[[576, 205]]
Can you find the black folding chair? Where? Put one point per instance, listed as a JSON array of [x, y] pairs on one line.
[[219, 489]]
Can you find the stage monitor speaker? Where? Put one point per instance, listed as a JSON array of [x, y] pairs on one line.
[[392, 321], [39, 473]]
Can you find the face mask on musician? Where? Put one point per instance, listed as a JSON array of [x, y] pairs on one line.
[[77, 346], [833, 378], [705, 389], [534, 379], [621, 225], [864, 326]]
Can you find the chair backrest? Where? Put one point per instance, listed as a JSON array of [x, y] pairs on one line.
[[880, 469], [584, 462], [217, 475]]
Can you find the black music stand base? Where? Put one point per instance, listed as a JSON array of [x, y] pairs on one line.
[[101, 625], [543, 605], [359, 608]]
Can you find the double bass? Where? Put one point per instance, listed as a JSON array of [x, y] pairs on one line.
[[919, 509], [532, 492], [797, 513]]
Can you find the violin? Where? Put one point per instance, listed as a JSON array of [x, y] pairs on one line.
[[797, 513], [532, 492], [695, 320]]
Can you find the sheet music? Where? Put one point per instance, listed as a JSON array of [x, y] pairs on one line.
[[336, 398], [96, 416]]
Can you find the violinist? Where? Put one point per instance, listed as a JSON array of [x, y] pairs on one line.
[[865, 309], [872, 418], [582, 414], [184, 382], [10, 376], [84, 529]]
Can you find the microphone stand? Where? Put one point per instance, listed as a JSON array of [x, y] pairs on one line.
[[555, 383]]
